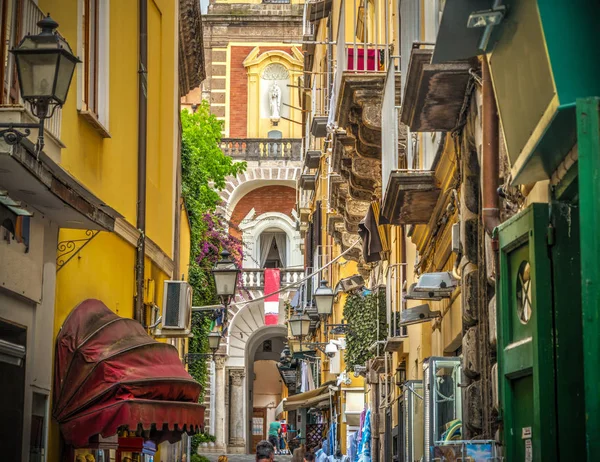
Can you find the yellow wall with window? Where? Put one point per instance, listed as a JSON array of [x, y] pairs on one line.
[[101, 149]]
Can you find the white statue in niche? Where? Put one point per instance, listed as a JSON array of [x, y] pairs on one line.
[[275, 95]]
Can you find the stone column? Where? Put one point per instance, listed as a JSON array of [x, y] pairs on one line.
[[219, 405], [236, 408]]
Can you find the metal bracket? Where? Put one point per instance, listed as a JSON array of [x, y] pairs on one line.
[[68, 249]]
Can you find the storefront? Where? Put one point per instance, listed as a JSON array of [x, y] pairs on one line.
[[118, 392], [312, 410]]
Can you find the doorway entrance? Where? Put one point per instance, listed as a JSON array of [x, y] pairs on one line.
[[259, 426], [265, 383]]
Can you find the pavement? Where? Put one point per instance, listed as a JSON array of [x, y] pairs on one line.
[[245, 458]]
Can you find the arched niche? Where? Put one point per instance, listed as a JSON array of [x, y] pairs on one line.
[[265, 69], [254, 226]]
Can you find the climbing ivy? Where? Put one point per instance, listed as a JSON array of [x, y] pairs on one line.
[[360, 312], [204, 169]]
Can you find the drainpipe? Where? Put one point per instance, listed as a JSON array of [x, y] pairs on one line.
[[490, 165], [178, 206], [141, 178]]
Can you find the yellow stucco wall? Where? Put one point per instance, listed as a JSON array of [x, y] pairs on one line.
[[105, 268], [108, 166]]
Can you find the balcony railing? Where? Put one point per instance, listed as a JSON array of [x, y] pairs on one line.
[[359, 56], [254, 278], [21, 19], [262, 148]]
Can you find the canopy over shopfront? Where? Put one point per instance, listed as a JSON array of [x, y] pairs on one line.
[[313, 398], [110, 373]]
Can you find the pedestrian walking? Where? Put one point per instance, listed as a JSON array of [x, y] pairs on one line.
[[274, 433], [265, 452]]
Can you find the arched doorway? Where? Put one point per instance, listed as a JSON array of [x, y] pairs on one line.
[[264, 384]]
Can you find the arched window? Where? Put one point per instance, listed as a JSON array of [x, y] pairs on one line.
[[273, 249]]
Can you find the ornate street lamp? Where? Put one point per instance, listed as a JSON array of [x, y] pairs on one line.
[[299, 325], [226, 274], [324, 299], [400, 375], [214, 340], [45, 65]]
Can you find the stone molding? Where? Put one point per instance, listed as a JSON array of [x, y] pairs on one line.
[[220, 361], [237, 376]]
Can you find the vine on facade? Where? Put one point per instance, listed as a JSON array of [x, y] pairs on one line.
[[361, 314], [204, 172]]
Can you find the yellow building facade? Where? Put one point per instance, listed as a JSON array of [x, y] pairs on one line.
[[94, 146], [354, 92]]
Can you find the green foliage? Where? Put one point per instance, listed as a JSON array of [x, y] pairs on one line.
[[200, 438], [204, 170], [198, 458], [360, 312], [204, 167]]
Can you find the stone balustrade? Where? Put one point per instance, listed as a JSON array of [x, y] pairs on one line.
[[254, 278], [262, 148]]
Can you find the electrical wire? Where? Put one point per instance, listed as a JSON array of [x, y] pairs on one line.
[[297, 283]]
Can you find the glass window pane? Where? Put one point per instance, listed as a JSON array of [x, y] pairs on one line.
[[37, 74]]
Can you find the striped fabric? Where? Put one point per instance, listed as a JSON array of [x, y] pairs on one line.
[[272, 284]]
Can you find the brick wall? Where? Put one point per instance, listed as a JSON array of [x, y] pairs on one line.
[[238, 92], [238, 89], [266, 199]]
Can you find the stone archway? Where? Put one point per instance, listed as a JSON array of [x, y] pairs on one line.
[[254, 178], [247, 333], [254, 342]]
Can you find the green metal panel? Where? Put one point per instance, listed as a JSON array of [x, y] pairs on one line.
[[526, 338], [566, 274], [546, 49], [571, 33], [588, 123]]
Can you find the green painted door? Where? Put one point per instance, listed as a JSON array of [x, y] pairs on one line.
[[539, 335]]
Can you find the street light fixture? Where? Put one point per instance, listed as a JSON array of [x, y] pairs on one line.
[[226, 274], [324, 299], [400, 376], [299, 325], [214, 340], [45, 66]]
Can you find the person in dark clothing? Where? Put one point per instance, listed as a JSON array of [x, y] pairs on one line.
[[265, 452], [309, 457]]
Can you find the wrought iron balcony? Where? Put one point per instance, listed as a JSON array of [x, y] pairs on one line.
[[254, 278], [259, 149]]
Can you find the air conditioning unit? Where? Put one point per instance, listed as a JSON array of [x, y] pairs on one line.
[[177, 309], [412, 294], [436, 284], [418, 314]]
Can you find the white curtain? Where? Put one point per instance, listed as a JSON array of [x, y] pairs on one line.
[[266, 239], [281, 241]]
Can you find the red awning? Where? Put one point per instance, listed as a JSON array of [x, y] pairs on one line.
[[109, 373]]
